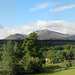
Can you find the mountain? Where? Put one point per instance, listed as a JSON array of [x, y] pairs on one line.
[[47, 35], [16, 37], [43, 35]]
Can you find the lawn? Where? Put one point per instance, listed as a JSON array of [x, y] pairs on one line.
[[65, 72], [70, 71]]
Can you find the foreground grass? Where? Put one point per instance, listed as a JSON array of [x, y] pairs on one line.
[[65, 72], [70, 71], [60, 71]]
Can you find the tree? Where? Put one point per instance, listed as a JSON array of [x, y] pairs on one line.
[[59, 56], [32, 45], [8, 58], [30, 64], [32, 55], [17, 51]]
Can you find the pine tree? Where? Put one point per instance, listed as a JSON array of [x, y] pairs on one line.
[[32, 55]]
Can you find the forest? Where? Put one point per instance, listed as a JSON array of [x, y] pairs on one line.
[[31, 56]]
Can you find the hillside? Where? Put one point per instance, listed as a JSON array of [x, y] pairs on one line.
[[72, 37]]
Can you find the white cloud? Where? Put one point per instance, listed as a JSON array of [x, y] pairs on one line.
[[3, 34], [61, 8], [59, 26], [40, 6], [43, 5]]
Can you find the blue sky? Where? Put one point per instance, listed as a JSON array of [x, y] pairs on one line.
[[25, 16]]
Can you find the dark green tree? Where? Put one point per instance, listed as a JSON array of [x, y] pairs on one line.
[[32, 55], [17, 51], [32, 45]]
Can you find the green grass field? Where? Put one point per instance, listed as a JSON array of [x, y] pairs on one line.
[[70, 71], [65, 72]]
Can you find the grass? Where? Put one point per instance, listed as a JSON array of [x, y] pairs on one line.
[[64, 72], [57, 71]]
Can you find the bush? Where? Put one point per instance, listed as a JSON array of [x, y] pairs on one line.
[[67, 64], [30, 64]]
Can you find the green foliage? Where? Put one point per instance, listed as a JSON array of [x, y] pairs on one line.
[[24, 62], [30, 64], [9, 61], [53, 56], [11, 55], [18, 60], [32, 45], [17, 51], [60, 56], [32, 55], [67, 64], [59, 53]]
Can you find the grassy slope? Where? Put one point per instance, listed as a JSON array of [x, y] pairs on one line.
[[70, 71], [65, 72]]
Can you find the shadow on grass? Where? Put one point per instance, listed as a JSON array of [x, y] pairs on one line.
[[51, 70], [48, 70]]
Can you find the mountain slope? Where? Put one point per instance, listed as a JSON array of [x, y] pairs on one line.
[[47, 35], [16, 37], [72, 37]]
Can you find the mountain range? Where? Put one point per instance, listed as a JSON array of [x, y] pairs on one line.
[[43, 35]]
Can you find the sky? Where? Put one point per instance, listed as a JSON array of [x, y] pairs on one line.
[[26, 16]]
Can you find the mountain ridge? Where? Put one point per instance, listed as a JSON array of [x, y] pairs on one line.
[[43, 35]]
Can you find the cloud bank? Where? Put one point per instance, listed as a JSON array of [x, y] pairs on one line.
[[59, 26]]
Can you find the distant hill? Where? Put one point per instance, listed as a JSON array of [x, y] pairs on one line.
[[43, 35], [16, 37]]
